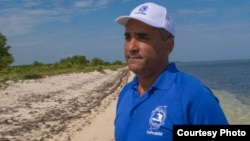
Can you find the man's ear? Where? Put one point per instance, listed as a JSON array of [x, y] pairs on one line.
[[170, 44]]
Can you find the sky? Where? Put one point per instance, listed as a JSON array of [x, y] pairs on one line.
[[50, 30]]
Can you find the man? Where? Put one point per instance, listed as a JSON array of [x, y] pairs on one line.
[[159, 96]]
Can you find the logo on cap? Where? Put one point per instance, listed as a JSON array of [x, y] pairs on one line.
[[142, 10]]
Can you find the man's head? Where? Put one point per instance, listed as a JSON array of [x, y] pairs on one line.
[[147, 43], [152, 14]]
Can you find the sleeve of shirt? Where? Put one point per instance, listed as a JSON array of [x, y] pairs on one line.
[[203, 107]]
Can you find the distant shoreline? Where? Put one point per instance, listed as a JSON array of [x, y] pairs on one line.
[[235, 110]]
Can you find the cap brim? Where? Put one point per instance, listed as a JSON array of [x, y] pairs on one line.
[[122, 20]]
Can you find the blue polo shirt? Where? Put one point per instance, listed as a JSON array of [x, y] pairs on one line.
[[174, 98]]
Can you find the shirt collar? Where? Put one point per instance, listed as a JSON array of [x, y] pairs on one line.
[[166, 78]]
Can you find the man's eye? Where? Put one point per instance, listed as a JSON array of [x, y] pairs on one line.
[[143, 37], [126, 37]]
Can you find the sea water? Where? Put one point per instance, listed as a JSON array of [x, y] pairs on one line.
[[231, 78]]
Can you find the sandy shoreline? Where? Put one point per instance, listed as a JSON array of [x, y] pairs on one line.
[[56, 108], [102, 128]]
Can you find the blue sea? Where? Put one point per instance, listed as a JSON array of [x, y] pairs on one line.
[[232, 76]]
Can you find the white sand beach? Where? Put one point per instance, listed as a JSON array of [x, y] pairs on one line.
[[102, 128], [68, 107]]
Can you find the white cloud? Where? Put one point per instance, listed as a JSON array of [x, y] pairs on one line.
[[80, 4], [23, 16], [16, 21], [102, 2]]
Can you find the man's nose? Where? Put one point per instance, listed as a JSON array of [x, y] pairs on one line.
[[133, 45]]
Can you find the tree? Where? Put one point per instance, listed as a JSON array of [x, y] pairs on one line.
[[77, 59], [117, 62], [96, 61], [6, 58]]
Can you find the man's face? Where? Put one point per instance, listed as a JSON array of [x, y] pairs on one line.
[[145, 50]]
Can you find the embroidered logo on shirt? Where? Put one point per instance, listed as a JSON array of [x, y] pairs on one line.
[[158, 117], [142, 10], [156, 120]]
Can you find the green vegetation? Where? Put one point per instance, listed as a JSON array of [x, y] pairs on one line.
[[5, 57], [38, 70], [69, 65]]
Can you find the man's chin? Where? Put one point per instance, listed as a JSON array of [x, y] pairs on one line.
[[135, 68]]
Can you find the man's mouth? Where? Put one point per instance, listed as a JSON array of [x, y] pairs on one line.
[[134, 57]]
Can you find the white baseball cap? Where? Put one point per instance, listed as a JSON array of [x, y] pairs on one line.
[[151, 14]]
